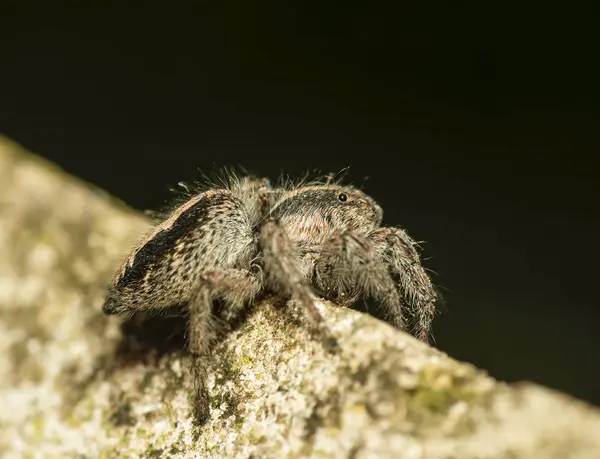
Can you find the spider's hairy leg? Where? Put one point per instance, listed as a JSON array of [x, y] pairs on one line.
[[399, 252], [201, 334], [349, 265], [236, 287], [283, 269]]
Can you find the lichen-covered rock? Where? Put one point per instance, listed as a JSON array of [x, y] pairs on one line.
[[74, 383]]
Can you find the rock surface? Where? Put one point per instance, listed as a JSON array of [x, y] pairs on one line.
[[74, 383]]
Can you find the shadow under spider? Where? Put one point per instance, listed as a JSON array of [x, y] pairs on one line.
[[165, 332], [158, 333], [148, 336]]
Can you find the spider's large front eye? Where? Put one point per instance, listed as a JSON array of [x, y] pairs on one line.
[[343, 197]]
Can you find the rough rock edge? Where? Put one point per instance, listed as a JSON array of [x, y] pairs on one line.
[[74, 383]]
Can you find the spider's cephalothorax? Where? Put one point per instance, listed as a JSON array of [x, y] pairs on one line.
[[245, 237]]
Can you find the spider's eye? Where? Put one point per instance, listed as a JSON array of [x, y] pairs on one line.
[[343, 197]]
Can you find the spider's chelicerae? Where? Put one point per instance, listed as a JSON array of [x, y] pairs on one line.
[[236, 240]]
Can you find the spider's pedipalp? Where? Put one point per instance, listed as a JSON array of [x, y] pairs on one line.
[[236, 287]]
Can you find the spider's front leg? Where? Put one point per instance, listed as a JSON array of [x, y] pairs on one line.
[[236, 287], [348, 266], [399, 252], [284, 271]]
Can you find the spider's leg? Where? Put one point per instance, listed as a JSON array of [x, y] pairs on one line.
[[349, 266], [283, 268], [398, 251], [236, 287], [201, 331]]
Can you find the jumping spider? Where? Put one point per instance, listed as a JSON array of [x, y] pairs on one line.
[[244, 237]]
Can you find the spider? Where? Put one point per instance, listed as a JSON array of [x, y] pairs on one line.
[[242, 237]]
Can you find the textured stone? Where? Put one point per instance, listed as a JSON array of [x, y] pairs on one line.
[[74, 383]]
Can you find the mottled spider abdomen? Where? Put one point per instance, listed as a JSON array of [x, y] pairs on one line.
[[211, 230]]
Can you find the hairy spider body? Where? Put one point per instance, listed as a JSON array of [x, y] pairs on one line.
[[245, 237], [212, 231]]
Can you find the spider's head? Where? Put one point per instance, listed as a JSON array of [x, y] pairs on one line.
[[312, 213]]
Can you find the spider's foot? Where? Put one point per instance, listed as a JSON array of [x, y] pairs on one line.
[[201, 410], [201, 395]]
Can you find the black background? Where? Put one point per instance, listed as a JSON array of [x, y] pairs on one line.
[[477, 128]]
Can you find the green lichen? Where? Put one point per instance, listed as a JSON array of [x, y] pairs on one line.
[[152, 453], [175, 451], [37, 423], [438, 390], [243, 361], [255, 439]]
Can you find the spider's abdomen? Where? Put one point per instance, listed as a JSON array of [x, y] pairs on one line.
[[211, 230]]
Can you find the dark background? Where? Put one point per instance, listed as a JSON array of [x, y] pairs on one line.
[[478, 128]]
